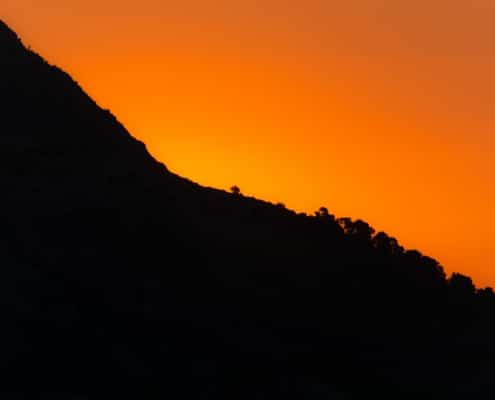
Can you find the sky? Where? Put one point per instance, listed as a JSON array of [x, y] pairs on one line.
[[382, 110]]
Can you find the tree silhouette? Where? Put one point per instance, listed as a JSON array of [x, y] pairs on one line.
[[357, 229], [386, 244], [461, 284], [323, 214]]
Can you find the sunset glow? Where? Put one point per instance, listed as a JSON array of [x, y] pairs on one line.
[[379, 110]]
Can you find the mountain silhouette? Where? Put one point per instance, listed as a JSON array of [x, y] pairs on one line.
[[120, 279]]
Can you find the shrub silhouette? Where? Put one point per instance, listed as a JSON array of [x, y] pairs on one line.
[[235, 190]]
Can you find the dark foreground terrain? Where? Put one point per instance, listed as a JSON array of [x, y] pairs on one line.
[[119, 279]]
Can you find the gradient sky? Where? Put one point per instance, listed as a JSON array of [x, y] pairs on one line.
[[378, 109]]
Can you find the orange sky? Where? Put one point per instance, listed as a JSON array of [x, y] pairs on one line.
[[378, 109]]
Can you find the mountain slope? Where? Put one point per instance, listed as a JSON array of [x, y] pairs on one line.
[[121, 279]]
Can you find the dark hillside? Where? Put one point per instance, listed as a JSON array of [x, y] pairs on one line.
[[119, 279]]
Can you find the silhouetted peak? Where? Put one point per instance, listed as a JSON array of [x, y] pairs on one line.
[[47, 115], [8, 38]]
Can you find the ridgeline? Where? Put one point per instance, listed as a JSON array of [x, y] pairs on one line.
[[120, 279]]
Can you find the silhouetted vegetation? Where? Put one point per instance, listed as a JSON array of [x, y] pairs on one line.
[[235, 190], [119, 279]]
